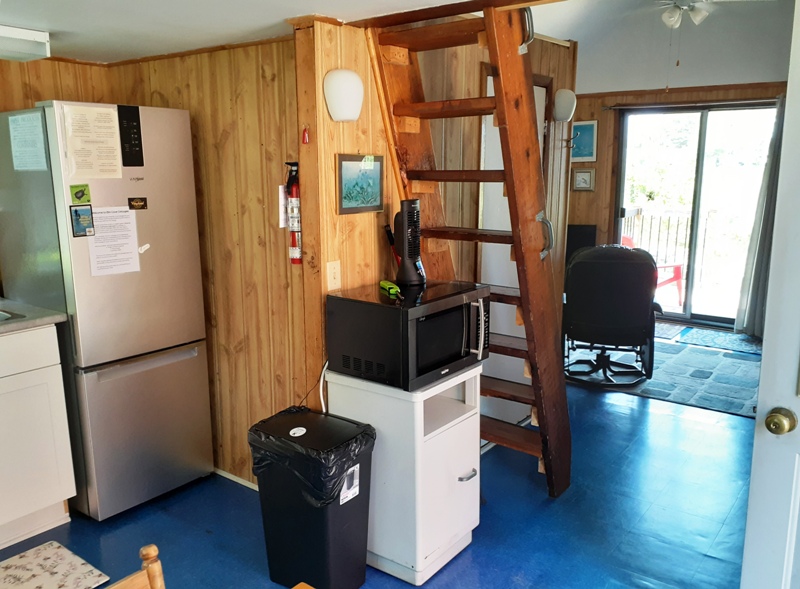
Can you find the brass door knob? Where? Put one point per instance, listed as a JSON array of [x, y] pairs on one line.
[[780, 421]]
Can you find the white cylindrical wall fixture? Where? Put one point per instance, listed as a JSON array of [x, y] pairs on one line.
[[564, 105], [344, 94]]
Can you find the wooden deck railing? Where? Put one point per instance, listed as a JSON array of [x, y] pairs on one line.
[[665, 236]]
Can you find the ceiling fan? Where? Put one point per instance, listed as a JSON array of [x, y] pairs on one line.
[[697, 10]]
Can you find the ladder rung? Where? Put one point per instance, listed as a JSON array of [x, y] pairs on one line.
[[506, 389], [446, 109], [505, 294], [468, 234], [511, 436], [458, 175], [452, 34], [508, 345]]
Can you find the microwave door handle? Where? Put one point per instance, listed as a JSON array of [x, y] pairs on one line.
[[481, 329], [465, 338]]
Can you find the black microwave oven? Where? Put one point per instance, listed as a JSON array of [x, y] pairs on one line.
[[411, 342]]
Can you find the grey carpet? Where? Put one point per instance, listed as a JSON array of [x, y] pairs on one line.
[[668, 330], [724, 340], [701, 377]]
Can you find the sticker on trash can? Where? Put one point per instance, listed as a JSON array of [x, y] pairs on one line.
[[350, 487], [297, 432]]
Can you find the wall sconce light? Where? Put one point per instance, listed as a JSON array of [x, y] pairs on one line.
[[23, 44], [564, 105], [344, 94]]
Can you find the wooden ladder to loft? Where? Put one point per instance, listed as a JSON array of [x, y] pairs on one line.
[[406, 113]]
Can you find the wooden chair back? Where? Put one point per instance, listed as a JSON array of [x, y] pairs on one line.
[[150, 577]]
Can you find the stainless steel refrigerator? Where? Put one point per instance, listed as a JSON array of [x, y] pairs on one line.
[[98, 219]]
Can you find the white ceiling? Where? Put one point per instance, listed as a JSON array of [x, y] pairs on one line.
[[587, 21], [115, 30], [624, 45]]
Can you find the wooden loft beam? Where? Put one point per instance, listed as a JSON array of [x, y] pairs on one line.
[[422, 14], [457, 175], [449, 34], [445, 109], [306, 22]]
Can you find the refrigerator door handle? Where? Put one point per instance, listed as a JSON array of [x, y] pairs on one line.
[[135, 366]]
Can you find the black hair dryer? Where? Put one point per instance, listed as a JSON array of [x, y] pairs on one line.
[[407, 242]]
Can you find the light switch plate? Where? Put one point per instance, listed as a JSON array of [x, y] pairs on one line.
[[334, 275]]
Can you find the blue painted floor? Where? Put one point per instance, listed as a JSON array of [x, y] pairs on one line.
[[658, 500]]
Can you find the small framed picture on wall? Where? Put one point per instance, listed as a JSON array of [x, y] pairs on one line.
[[584, 141], [360, 183], [583, 179]]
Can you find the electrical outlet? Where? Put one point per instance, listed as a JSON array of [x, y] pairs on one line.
[[334, 275]]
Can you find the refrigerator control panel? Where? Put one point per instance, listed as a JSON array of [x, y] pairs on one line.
[[130, 135]]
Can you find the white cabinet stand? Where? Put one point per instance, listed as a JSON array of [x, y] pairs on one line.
[[425, 486], [35, 461]]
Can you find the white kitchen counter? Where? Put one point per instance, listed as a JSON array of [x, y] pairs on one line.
[[35, 457], [27, 316]]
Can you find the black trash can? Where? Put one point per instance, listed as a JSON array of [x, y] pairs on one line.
[[313, 475]]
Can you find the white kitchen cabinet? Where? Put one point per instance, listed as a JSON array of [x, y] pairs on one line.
[[36, 475], [425, 486]]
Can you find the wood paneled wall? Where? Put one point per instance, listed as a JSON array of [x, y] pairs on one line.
[[24, 84], [242, 103], [357, 241], [599, 206]]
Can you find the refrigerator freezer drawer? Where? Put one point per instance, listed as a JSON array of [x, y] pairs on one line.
[[146, 428]]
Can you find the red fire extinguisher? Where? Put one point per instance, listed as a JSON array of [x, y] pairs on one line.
[[293, 213]]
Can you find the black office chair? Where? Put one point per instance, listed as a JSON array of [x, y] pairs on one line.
[[609, 308]]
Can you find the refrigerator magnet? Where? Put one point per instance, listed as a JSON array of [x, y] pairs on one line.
[[80, 194], [82, 221], [137, 204]]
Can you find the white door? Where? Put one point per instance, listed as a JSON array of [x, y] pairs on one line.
[[771, 546]]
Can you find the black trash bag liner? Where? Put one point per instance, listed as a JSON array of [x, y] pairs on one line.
[[321, 473]]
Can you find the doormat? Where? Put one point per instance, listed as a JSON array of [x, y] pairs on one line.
[[700, 377], [668, 330], [722, 340], [49, 566]]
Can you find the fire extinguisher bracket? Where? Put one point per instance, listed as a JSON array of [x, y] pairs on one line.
[[293, 213]]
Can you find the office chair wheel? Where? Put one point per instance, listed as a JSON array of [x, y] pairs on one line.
[[609, 368]]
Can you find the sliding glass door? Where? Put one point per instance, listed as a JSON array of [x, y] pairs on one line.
[[692, 178]]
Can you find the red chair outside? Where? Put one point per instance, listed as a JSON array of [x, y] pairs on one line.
[[667, 273]]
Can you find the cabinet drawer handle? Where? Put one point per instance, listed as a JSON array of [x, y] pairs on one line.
[[469, 477]]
